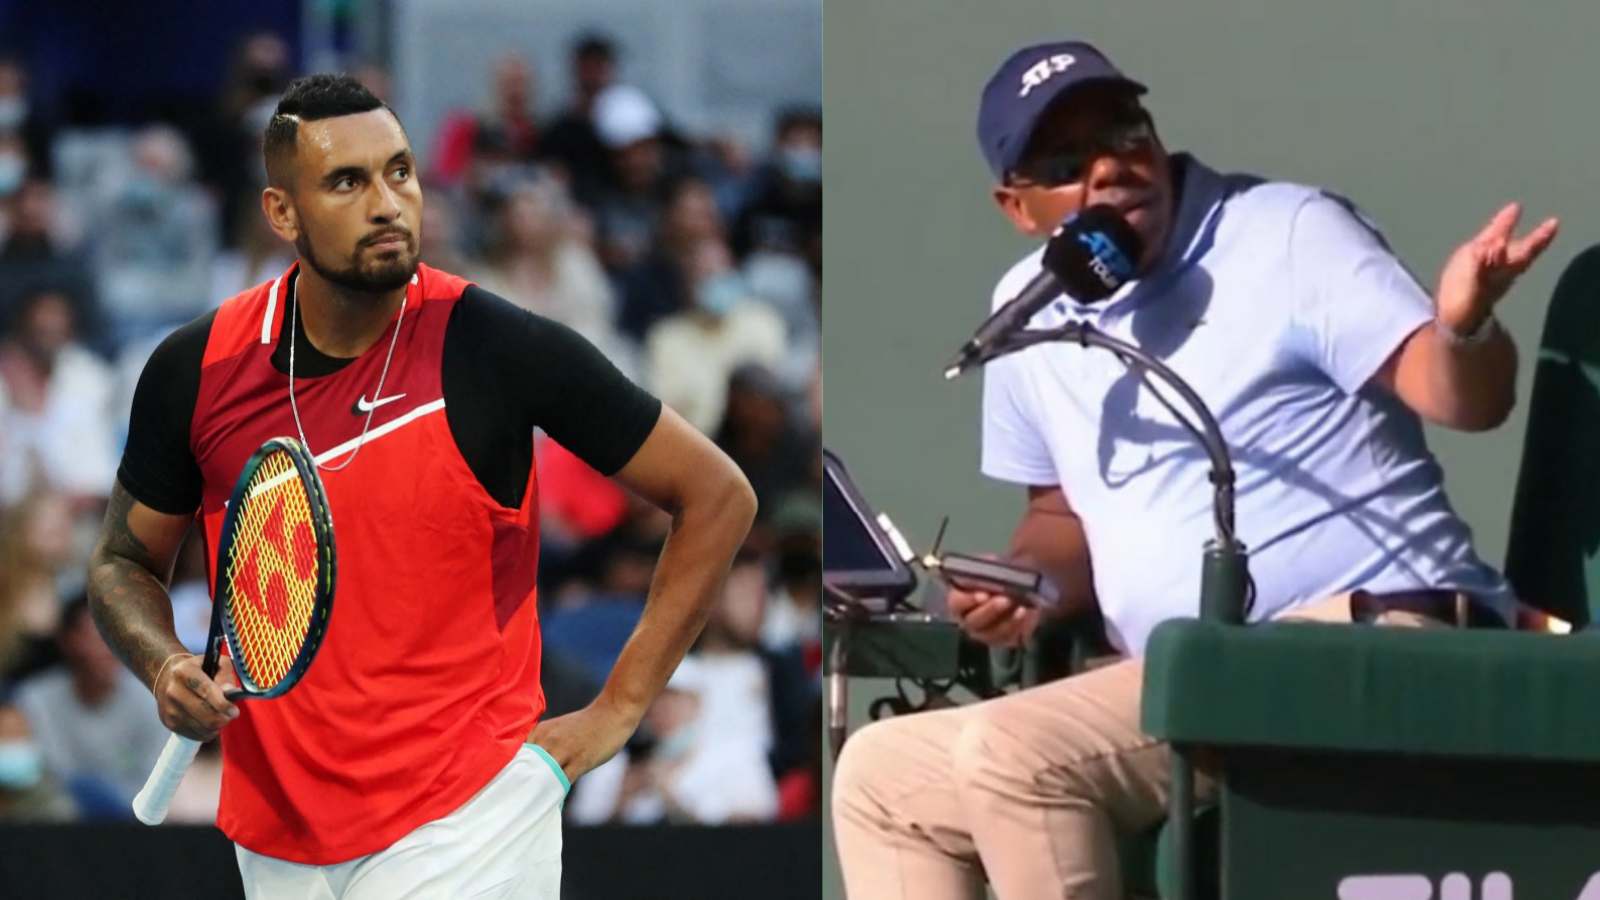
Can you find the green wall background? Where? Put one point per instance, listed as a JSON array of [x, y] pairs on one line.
[[1427, 114]]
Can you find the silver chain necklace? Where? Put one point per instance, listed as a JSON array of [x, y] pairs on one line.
[[294, 319]]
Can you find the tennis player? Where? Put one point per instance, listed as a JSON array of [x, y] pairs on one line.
[[411, 761]]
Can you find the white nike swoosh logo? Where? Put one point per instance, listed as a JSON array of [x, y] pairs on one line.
[[364, 406]]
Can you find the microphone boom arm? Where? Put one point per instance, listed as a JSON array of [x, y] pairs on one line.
[[1227, 591]]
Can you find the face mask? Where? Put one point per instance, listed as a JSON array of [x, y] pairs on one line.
[[12, 168], [145, 192], [20, 765], [719, 294], [782, 277], [802, 164], [677, 744], [13, 110]]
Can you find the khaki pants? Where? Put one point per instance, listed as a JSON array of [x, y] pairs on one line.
[[1026, 791]]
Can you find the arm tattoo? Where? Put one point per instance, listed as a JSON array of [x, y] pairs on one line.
[[128, 594], [116, 538]]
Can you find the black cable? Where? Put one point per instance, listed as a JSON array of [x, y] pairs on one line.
[[1139, 371], [1209, 433], [1221, 494]]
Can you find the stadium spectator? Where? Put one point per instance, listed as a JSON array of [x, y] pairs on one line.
[[760, 433], [32, 232], [627, 212], [155, 242], [616, 561], [784, 281], [691, 354], [752, 695], [507, 133], [38, 252], [655, 288], [95, 722], [24, 233], [257, 256], [21, 117], [35, 547], [736, 688], [27, 792], [14, 163], [536, 260], [56, 414], [441, 237], [228, 143], [596, 607], [785, 211], [571, 143], [794, 611], [684, 772]]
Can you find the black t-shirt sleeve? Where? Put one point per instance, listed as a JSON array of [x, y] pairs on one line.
[[573, 392], [504, 364], [158, 466]]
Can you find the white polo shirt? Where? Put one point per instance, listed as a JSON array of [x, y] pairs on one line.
[[1277, 303]]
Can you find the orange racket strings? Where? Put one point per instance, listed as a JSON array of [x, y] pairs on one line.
[[272, 572]]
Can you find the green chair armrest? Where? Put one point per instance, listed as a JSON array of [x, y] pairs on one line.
[[1359, 688]]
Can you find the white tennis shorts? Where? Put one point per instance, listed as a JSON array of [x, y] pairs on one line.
[[503, 844]]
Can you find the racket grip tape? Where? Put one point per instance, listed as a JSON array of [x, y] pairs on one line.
[[150, 804]]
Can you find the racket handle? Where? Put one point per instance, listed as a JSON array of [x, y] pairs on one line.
[[150, 804]]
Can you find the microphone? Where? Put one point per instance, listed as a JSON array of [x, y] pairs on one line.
[[1091, 255]]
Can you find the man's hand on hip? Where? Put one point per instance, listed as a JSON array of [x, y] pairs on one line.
[[579, 741]]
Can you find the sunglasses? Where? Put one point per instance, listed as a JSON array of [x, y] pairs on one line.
[[1130, 130]]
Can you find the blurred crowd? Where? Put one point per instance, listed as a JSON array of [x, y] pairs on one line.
[[692, 260]]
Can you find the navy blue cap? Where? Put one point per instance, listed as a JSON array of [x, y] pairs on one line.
[[1025, 85]]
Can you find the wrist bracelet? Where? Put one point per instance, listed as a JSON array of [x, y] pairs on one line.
[[1478, 335], [164, 663]]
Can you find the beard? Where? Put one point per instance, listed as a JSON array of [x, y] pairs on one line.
[[375, 276]]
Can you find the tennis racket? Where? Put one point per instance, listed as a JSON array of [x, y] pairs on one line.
[[273, 596]]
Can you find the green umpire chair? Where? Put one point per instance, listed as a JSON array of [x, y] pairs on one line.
[[1383, 762], [1554, 555]]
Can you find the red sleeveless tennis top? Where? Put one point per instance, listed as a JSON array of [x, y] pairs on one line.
[[427, 681]]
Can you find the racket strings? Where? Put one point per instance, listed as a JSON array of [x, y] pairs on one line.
[[272, 572]]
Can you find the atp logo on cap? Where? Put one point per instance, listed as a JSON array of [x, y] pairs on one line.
[[1043, 70]]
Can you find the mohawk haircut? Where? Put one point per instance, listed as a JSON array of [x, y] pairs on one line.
[[322, 96]]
